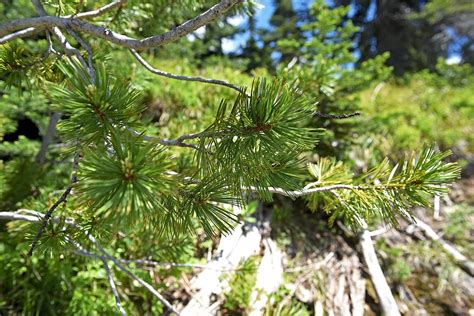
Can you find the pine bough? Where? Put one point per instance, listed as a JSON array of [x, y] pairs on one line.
[[254, 147]]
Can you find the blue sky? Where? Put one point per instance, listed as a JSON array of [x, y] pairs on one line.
[[264, 14]]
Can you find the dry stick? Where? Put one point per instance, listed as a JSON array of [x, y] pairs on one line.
[[387, 301], [112, 285], [172, 35], [269, 277], [459, 258], [132, 275], [62, 199], [185, 78]]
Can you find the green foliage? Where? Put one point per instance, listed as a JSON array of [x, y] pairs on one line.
[[140, 198], [128, 186], [384, 191], [397, 266], [426, 107], [458, 227], [281, 304], [237, 299], [257, 143], [326, 74], [204, 202], [92, 106]]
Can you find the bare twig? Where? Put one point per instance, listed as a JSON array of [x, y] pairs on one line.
[[16, 216], [68, 48], [99, 11], [133, 275], [19, 34], [62, 199], [336, 116], [169, 265], [184, 78], [459, 258], [44, 22], [37, 217], [50, 46], [90, 66], [113, 287]]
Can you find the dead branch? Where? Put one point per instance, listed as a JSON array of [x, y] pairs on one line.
[[387, 301], [460, 259]]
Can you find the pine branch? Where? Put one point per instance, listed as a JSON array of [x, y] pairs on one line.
[[83, 15], [68, 48], [62, 199], [180, 141], [45, 22], [169, 265], [36, 217]]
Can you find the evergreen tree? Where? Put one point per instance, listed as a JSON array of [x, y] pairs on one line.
[[120, 183], [415, 33], [325, 75], [284, 25], [255, 50]]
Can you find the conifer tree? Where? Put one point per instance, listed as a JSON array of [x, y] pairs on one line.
[[124, 181], [284, 24]]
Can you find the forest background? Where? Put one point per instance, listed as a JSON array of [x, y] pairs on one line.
[[387, 77]]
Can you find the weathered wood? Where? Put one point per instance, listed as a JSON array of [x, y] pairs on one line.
[[387, 301], [461, 260], [233, 249], [269, 277]]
